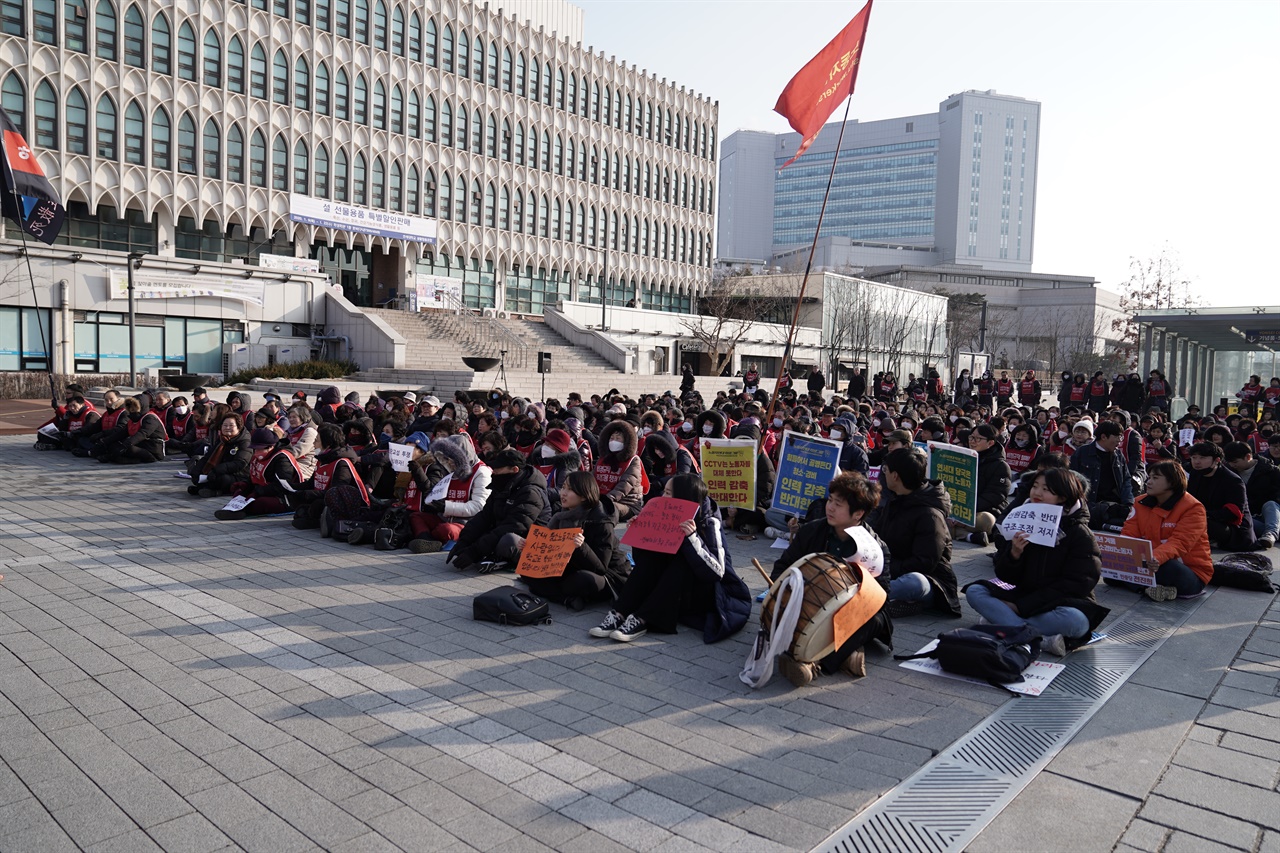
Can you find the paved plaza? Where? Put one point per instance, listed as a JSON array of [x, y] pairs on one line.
[[169, 681]]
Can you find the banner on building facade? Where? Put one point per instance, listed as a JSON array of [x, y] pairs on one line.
[[434, 291], [287, 263], [361, 220], [186, 285]]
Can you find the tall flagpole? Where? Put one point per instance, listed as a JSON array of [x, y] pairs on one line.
[[31, 276], [804, 283]]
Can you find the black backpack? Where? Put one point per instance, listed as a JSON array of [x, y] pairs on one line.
[[509, 605], [396, 522], [1244, 571], [996, 654]]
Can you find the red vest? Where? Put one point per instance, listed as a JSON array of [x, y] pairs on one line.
[[460, 490], [201, 431], [1270, 396], [1028, 387], [1019, 460], [1152, 450], [179, 425], [1156, 387], [1077, 393], [110, 419], [1249, 393], [134, 426], [261, 462], [607, 476], [886, 388], [1097, 388], [1124, 444], [75, 423], [1004, 387]]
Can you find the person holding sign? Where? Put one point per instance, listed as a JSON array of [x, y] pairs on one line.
[[696, 586], [597, 568], [1175, 524], [493, 537], [1048, 587], [274, 477]]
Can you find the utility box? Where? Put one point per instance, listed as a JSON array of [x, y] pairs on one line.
[[288, 353], [237, 357]]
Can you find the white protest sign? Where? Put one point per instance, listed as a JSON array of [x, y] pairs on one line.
[[1035, 678], [441, 489], [870, 555], [49, 430], [1186, 436], [1039, 521], [400, 455], [239, 502]]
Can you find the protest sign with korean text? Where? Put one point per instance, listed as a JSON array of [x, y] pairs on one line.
[[399, 455], [729, 470], [1127, 559], [1039, 521], [957, 468], [546, 552], [806, 466], [657, 527]]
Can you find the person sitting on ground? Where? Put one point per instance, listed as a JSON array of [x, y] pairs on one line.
[[78, 415], [274, 477], [1225, 499], [1175, 524], [335, 469], [663, 458], [493, 537], [302, 435], [993, 483], [226, 463], [696, 586], [1049, 588], [618, 469], [598, 568], [1110, 495], [442, 520], [913, 524], [92, 434], [138, 437], [850, 497], [1262, 489], [556, 459]]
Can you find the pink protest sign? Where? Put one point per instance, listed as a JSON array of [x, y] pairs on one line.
[[657, 527]]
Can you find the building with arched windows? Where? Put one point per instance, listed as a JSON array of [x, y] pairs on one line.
[[383, 139]]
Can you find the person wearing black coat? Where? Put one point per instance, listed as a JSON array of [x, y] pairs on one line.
[[858, 384], [597, 569], [696, 586], [138, 437], [1262, 488], [663, 459], [1064, 390], [226, 463], [1048, 588], [1110, 495], [993, 482], [816, 383], [274, 477], [517, 501], [914, 526], [1226, 502]]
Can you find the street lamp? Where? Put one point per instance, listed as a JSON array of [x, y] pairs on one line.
[[134, 261], [604, 283]]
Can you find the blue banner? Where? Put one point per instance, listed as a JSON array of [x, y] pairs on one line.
[[806, 466]]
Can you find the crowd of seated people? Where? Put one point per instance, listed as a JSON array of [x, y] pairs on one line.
[[483, 468]]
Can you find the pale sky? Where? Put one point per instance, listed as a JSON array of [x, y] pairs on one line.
[[1157, 120]]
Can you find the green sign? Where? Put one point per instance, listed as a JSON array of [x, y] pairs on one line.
[[957, 468]]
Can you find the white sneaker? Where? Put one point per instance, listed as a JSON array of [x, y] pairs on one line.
[[771, 532], [775, 533], [1055, 645]]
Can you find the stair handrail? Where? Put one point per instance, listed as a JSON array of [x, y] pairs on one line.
[[484, 332]]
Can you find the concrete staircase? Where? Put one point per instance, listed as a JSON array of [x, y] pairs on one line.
[[436, 341]]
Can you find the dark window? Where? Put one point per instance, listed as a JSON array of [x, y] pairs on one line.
[[235, 155], [322, 172], [300, 183], [235, 66], [302, 11], [77, 123], [75, 24], [135, 38], [397, 31], [380, 26], [360, 183], [258, 72], [258, 159], [360, 21], [322, 89], [161, 140], [280, 78], [186, 52], [105, 128], [324, 15], [44, 21], [341, 176], [280, 164], [161, 46], [104, 28], [13, 98], [212, 150], [301, 84], [12, 18], [378, 186], [186, 145], [341, 96], [212, 59], [360, 107]]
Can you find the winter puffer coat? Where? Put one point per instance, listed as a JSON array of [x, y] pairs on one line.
[[914, 526]]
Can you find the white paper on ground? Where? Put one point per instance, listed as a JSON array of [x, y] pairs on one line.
[[780, 543], [238, 502], [1035, 678], [870, 555]]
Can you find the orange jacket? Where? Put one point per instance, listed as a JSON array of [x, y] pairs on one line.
[[1174, 529]]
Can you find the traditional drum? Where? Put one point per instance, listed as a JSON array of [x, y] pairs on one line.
[[829, 584]]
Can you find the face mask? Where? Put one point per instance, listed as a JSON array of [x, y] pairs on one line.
[[955, 418], [548, 451], [503, 415], [777, 422], [646, 430], [686, 427], [181, 410], [707, 429], [615, 446], [1022, 442], [1062, 433], [875, 422], [835, 433]]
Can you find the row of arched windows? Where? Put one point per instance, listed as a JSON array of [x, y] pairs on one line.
[[239, 158], [390, 30], [477, 132]]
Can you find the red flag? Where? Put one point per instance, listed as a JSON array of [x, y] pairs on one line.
[[26, 195], [823, 84]]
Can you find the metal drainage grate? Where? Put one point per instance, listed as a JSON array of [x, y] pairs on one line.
[[945, 804]]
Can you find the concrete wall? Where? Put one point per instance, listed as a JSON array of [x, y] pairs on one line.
[[372, 342]]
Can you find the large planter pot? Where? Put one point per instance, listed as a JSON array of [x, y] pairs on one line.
[[480, 363], [184, 381]]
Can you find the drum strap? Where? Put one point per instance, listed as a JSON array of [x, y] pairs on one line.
[[775, 638]]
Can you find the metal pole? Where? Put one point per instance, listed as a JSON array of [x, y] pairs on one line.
[[982, 328], [604, 284], [132, 261]]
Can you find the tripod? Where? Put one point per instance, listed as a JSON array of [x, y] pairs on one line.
[[502, 369]]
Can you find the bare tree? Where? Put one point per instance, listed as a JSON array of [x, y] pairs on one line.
[[1154, 284], [727, 310]]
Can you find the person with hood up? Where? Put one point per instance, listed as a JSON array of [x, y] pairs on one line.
[[138, 437], [469, 484], [302, 436], [687, 379], [696, 586], [1049, 588], [1132, 395], [226, 463], [598, 569], [327, 403], [241, 405], [556, 458], [1029, 390], [708, 424], [528, 432], [853, 453], [583, 440], [493, 537], [913, 524], [1067, 381], [1099, 393], [619, 472], [1023, 450], [274, 477], [663, 459], [962, 391], [986, 391]]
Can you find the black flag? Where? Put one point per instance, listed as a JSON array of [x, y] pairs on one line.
[[28, 198]]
